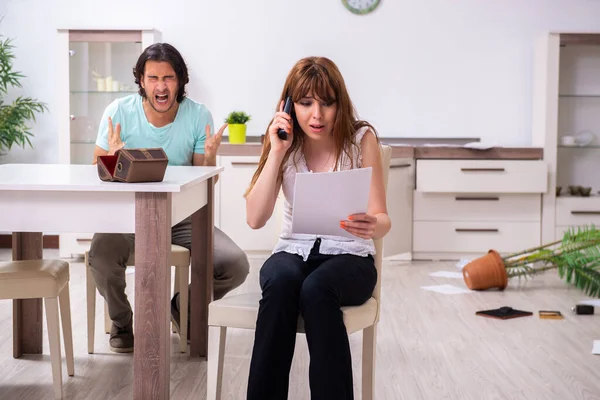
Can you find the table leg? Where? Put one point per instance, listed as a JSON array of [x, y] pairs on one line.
[[27, 313], [202, 274], [152, 352]]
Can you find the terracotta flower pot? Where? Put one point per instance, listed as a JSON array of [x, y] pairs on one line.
[[486, 272]]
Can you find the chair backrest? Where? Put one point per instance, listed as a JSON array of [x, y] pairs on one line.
[[386, 155]]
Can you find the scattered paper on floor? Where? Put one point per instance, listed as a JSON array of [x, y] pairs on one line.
[[446, 289], [596, 347], [447, 274]]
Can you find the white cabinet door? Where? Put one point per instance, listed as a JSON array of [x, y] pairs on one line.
[[399, 205], [234, 180], [217, 197], [482, 176]]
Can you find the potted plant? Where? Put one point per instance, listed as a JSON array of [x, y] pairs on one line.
[[14, 116], [576, 257], [236, 121]]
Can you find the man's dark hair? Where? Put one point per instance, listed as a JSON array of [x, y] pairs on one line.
[[162, 52]]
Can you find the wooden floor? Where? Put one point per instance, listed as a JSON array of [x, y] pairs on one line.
[[430, 346]]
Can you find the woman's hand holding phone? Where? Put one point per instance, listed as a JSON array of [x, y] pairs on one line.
[[281, 120]]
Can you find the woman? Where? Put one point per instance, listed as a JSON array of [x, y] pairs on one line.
[[308, 275]]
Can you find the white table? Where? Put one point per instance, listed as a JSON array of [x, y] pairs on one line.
[[37, 198]]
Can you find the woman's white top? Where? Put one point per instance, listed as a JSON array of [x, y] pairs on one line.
[[301, 244]]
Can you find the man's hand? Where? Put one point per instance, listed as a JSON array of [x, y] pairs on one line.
[[211, 145], [114, 137]]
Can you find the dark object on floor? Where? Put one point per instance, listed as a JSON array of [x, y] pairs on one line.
[[583, 309], [504, 313], [550, 315]]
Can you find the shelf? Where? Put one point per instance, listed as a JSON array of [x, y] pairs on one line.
[[579, 96], [568, 196], [579, 147], [97, 92]]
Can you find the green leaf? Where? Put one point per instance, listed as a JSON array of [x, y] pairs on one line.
[[237, 117], [14, 118]]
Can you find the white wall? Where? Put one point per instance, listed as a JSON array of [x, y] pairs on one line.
[[414, 68]]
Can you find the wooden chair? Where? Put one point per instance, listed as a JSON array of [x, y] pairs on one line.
[[47, 279], [180, 258], [241, 311]]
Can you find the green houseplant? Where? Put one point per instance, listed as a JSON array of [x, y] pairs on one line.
[[14, 116], [576, 257], [236, 121]]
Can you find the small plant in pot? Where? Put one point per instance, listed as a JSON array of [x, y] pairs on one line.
[[236, 121], [14, 116], [576, 258]]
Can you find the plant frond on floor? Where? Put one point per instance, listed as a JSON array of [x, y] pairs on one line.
[[576, 257]]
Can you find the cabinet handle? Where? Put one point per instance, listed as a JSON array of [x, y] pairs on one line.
[[244, 163], [482, 169], [400, 166], [585, 212], [477, 198], [476, 230], [83, 240]]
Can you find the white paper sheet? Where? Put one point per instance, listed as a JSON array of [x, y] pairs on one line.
[[479, 146], [446, 289], [322, 200], [441, 145], [596, 347], [447, 274], [594, 302]]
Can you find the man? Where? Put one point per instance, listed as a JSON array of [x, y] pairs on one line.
[[159, 115]]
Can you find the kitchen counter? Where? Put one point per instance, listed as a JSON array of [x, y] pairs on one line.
[[246, 149], [499, 153], [253, 148]]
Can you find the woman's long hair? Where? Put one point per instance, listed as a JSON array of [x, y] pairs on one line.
[[319, 77]]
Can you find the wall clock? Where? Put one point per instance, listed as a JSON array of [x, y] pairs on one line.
[[361, 7]]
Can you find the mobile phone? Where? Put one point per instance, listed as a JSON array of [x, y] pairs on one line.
[[503, 313], [287, 108]]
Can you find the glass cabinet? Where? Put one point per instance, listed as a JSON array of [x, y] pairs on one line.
[[566, 122], [99, 67]]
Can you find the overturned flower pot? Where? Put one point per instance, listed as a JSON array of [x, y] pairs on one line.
[[486, 272]]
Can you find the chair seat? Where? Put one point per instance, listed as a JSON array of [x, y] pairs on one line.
[[32, 279], [180, 257], [240, 311]]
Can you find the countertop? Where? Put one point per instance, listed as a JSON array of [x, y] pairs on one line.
[[399, 150]]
